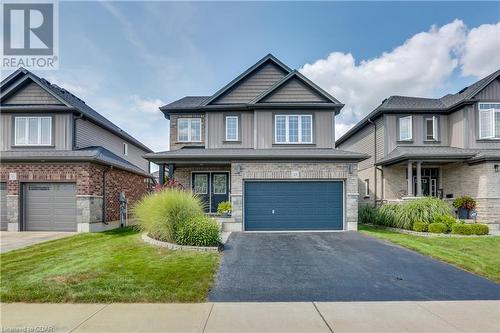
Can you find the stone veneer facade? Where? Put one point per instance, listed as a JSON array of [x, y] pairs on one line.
[[88, 178], [174, 144], [479, 181], [243, 170]]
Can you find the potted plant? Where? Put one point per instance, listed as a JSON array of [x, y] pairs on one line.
[[464, 205], [224, 208]]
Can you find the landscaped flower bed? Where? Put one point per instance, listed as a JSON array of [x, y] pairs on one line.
[[425, 215], [176, 216]]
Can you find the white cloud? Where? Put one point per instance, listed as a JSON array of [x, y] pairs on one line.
[[482, 50], [418, 67]]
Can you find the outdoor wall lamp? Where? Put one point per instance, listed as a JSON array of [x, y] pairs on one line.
[[496, 167]]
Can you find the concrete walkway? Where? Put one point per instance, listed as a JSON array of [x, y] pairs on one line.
[[13, 240], [455, 316]]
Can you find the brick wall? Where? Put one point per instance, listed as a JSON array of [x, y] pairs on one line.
[[174, 145], [88, 178]]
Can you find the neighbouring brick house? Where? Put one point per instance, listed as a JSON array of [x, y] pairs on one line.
[[445, 147], [266, 142], [63, 165]]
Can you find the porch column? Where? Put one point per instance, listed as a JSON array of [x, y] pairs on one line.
[[419, 179], [161, 174], [410, 179], [171, 168]]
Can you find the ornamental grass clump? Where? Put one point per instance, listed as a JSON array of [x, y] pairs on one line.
[[404, 215], [367, 214], [160, 214], [198, 231]]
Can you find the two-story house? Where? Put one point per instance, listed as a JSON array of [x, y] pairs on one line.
[[265, 142], [445, 147], [63, 165]]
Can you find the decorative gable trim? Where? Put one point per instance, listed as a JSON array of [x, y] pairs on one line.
[[247, 73], [296, 75]]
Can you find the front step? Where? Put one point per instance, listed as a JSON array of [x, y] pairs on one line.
[[229, 224]]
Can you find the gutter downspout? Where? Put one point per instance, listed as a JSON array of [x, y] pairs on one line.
[[104, 173], [374, 161]]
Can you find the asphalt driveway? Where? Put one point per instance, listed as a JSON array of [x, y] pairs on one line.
[[12, 240], [348, 266]]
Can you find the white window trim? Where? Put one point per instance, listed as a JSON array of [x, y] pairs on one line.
[[125, 149], [190, 128], [493, 112], [435, 129], [287, 138], [26, 131], [237, 128], [367, 187], [410, 129]]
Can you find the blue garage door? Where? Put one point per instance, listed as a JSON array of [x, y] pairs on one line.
[[293, 205]]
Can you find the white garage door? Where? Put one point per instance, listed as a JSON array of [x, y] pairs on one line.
[[50, 207]]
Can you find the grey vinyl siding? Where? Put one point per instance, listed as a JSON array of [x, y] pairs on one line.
[[294, 91], [418, 131], [490, 92], [62, 131], [31, 94], [456, 124], [89, 134], [253, 85], [217, 131], [362, 142], [380, 138], [323, 129]]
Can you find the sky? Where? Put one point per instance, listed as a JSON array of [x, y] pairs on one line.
[[125, 59]]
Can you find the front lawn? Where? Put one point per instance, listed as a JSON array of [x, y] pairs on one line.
[[114, 266], [475, 254]]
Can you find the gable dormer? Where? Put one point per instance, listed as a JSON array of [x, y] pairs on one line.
[[251, 83]]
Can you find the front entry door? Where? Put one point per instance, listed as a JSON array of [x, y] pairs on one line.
[[212, 188]]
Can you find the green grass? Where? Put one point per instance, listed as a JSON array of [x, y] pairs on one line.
[[475, 254], [114, 266]]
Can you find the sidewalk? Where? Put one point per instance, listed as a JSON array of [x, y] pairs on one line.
[[460, 316]]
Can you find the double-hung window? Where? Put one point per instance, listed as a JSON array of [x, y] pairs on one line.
[[189, 130], [33, 131], [489, 120], [293, 129], [232, 128], [431, 128], [405, 128]]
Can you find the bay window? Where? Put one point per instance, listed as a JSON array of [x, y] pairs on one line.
[[489, 120], [293, 129], [189, 130], [405, 128], [33, 131]]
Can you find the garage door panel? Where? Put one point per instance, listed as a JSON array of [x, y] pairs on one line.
[[297, 205], [50, 206]]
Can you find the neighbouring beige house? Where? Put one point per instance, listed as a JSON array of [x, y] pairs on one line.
[[445, 147], [266, 143]]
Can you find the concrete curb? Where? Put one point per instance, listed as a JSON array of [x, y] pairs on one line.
[[172, 246]]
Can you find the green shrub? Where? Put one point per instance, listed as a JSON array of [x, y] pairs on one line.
[[479, 229], [465, 202], [420, 226], [438, 228], [160, 214], [224, 207], [198, 231], [461, 229], [404, 215], [445, 219], [367, 214]]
